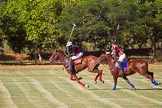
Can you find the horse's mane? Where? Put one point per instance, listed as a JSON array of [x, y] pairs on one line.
[[111, 57], [109, 54]]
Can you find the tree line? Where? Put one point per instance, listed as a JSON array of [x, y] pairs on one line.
[[42, 25]]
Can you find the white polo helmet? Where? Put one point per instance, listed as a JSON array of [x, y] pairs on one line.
[[69, 44]]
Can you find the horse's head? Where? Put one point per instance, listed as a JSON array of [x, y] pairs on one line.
[[57, 55], [103, 58], [53, 57]]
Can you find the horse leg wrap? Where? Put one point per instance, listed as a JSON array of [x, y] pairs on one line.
[[73, 78], [155, 82], [132, 85], [114, 88], [82, 84], [95, 79], [100, 77]]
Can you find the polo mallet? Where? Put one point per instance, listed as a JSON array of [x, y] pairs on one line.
[[71, 32]]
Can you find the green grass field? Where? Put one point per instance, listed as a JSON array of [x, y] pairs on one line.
[[47, 86]]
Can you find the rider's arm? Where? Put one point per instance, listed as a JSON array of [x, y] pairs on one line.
[[113, 50], [67, 51]]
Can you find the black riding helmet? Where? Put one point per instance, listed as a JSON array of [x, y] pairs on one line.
[[114, 42]]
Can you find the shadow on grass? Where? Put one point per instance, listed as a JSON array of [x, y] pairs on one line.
[[100, 89], [126, 89], [148, 88]]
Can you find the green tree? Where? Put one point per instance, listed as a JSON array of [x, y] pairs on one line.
[[2, 5], [146, 27], [33, 22], [92, 23], [45, 24]]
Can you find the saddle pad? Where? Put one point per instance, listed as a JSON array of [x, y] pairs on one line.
[[124, 65], [77, 61]]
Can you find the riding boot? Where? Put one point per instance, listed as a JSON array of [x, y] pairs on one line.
[[72, 66], [120, 68]]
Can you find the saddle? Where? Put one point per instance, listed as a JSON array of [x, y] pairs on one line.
[[124, 66], [71, 66], [78, 61]]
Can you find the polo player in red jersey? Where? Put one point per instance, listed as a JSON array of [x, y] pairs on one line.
[[75, 52]]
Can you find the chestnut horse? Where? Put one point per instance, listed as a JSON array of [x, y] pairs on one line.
[[133, 66], [89, 62]]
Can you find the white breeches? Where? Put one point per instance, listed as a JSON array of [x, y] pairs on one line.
[[77, 56], [122, 57]]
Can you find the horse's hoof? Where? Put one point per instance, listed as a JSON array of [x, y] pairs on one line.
[[80, 78], [155, 82], [132, 85], [87, 86], [102, 81], [95, 82], [114, 88], [73, 79]]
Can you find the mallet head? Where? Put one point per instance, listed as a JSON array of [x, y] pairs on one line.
[[74, 25]]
